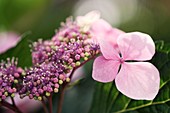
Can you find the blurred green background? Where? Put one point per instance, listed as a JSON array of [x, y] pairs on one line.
[[40, 18]]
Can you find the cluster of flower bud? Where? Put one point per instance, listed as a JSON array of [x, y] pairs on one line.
[[43, 80], [53, 60], [69, 45], [74, 45], [10, 77], [42, 51]]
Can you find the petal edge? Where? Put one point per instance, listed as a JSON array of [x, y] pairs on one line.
[[138, 80], [136, 46], [104, 70]]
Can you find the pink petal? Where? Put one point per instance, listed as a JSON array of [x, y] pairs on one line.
[[136, 46], [8, 40], [26, 105], [93, 15], [90, 17], [138, 80], [87, 20], [106, 36], [102, 29], [108, 50], [104, 70], [78, 74]]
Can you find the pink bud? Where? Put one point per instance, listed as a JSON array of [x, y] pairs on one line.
[[56, 85], [16, 75], [61, 76], [20, 70]]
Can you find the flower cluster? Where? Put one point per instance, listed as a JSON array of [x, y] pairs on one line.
[[42, 80], [10, 76], [75, 43], [55, 59], [70, 45]]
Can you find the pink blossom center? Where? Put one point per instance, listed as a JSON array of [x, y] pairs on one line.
[[121, 60]]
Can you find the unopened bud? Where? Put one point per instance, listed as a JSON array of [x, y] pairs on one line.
[[35, 98], [12, 95], [78, 63], [56, 90], [16, 81], [39, 98], [47, 94], [23, 73], [60, 82], [85, 58], [67, 79], [61, 76], [6, 93], [87, 54]]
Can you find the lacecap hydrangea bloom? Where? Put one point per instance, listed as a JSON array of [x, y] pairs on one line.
[[10, 78], [124, 59], [55, 59], [69, 46]]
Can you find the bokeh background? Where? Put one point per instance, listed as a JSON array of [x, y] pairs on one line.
[[34, 19], [41, 17]]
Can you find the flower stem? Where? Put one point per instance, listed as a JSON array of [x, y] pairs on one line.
[[10, 106], [61, 98], [13, 101], [50, 103], [44, 106]]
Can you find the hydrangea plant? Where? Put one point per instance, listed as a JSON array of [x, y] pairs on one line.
[[124, 57]]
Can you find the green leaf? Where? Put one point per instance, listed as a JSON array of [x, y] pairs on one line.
[[107, 99], [21, 51]]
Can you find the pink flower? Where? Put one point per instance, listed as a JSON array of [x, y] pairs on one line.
[[8, 40], [102, 29], [26, 105], [86, 21], [137, 80]]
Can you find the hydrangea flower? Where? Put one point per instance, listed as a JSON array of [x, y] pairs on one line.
[[8, 40], [87, 20], [101, 28], [134, 77], [10, 77], [73, 44], [68, 45], [43, 80], [52, 58], [92, 23], [42, 51]]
